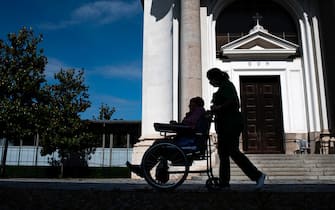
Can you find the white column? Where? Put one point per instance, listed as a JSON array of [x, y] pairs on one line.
[[111, 143], [157, 90], [206, 56], [314, 88], [307, 82], [176, 37], [208, 50], [190, 53], [324, 116]]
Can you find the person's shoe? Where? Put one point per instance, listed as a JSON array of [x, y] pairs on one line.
[[260, 182], [136, 169], [224, 186]]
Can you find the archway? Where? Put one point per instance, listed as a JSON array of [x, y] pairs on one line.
[[236, 20]]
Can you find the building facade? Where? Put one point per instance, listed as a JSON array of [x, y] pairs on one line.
[[277, 53]]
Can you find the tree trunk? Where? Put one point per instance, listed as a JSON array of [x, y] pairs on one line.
[[4, 158]]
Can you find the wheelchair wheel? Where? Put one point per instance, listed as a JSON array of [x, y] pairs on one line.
[[165, 166]]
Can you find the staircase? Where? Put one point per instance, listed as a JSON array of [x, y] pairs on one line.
[[281, 167]]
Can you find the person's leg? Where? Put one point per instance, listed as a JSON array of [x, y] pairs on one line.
[[137, 169], [241, 159], [224, 167], [246, 165]]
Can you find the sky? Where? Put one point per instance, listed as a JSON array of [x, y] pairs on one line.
[[102, 37]]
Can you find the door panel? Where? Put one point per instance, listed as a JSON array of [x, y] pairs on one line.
[[261, 105]]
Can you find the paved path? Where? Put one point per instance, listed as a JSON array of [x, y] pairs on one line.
[[100, 194], [188, 185]]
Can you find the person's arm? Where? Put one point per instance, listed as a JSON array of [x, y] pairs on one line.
[[229, 104], [226, 100]]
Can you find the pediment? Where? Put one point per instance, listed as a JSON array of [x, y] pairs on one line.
[[259, 44]]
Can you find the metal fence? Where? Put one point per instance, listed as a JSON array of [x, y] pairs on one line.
[[31, 156]]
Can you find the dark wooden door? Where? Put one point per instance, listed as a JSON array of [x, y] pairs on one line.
[[261, 106]]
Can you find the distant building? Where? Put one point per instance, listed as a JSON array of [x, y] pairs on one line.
[[116, 133], [116, 139], [112, 133]]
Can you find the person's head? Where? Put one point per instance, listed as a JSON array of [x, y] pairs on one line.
[[196, 102], [216, 76]]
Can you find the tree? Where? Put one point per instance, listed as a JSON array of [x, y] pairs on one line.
[[22, 66], [66, 132], [105, 112], [30, 106]]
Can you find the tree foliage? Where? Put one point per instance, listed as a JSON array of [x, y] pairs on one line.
[[22, 67], [105, 112], [66, 132]]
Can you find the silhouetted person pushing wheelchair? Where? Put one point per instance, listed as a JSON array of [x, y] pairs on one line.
[[229, 125]]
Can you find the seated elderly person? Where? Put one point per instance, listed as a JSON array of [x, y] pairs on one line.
[[192, 119], [185, 140]]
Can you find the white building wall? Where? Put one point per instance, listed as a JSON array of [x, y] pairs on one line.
[[296, 99], [31, 156], [293, 100]]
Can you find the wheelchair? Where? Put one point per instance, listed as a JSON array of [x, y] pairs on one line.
[[166, 165]]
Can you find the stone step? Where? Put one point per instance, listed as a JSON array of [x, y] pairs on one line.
[[290, 166], [291, 162], [291, 157], [316, 159], [275, 171], [286, 167], [306, 160], [275, 178], [287, 173]]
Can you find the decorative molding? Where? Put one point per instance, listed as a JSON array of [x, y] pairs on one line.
[[259, 43]]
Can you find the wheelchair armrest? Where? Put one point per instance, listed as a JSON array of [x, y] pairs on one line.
[[171, 128]]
